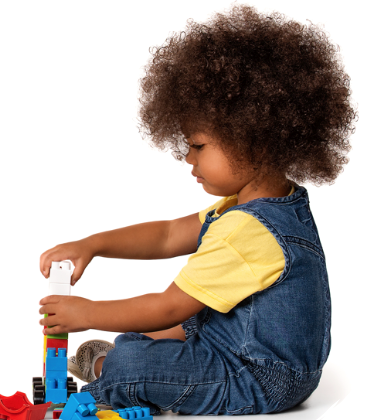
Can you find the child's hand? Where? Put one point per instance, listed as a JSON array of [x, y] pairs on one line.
[[69, 314], [79, 252]]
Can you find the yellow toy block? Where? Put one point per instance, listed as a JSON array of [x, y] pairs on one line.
[[107, 414], [45, 340]]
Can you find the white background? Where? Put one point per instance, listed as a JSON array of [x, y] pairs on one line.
[[72, 163]]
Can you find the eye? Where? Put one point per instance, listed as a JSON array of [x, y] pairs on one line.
[[197, 146]]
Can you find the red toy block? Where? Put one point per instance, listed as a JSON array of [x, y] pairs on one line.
[[18, 407], [57, 343], [57, 413]]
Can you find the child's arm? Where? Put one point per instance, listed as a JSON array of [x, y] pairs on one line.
[[175, 332], [151, 312], [153, 240]]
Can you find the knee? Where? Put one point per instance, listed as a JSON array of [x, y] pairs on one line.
[[128, 360]]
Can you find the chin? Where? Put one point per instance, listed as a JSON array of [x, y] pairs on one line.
[[213, 191]]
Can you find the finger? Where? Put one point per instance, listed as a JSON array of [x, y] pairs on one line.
[[43, 321], [49, 309], [48, 321], [49, 299], [53, 330], [44, 268], [45, 263], [77, 273]]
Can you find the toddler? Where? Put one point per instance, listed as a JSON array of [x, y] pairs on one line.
[[256, 104]]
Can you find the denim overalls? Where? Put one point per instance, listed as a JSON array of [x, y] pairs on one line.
[[265, 355]]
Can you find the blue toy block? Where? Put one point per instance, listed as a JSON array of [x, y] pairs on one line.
[[56, 376], [56, 380], [135, 413], [59, 362], [80, 407], [56, 396]]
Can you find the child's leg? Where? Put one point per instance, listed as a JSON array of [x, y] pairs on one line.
[[98, 366], [163, 374], [175, 332]]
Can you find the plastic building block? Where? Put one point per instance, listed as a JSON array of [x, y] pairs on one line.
[[126, 413], [63, 336], [56, 343], [59, 279], [56, 376], [56, 362], [59, 289], [60, 272], [135, 413], [55, 386], [57, 413], [107, 415], [18, 407], [80, 407]]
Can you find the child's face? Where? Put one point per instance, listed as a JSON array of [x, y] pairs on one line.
[[212, 168]]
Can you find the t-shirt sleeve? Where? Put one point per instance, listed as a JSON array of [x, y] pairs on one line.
[[238, 257]]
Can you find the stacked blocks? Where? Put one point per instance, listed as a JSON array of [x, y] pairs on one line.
[[59, 280], [54, 385], [80, 407], [56, 376], [54, 341], [59, 284], [56, 391]]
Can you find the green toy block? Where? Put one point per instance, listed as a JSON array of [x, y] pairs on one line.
[[60, 336]]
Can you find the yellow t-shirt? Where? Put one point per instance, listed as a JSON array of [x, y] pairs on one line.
[[238, 256]]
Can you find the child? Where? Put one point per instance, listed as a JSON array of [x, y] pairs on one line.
[[255, 104]]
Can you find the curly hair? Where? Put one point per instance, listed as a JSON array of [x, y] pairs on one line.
[[272, 91]]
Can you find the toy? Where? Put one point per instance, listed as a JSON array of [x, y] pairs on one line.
[[126, 413], [56, 376], [57, 413], [59, 279], [54, 385], [80, 407], [135, 413], [18, 407], [107, 415]]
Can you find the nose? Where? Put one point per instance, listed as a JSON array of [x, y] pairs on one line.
[[190, 158]]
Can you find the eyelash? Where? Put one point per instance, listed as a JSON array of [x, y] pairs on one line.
[[197, 146]]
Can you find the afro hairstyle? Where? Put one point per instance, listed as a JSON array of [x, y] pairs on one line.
[[272, 91]]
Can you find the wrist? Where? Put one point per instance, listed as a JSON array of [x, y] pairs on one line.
[[88, 320], [92, 245]]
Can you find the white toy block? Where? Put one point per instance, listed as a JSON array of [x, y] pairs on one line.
[[59, 289], [60, 272], [65, 265]]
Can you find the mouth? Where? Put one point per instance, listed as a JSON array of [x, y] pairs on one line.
[[198, 178]]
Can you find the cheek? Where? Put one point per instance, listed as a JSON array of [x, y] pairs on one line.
[[220, 171]]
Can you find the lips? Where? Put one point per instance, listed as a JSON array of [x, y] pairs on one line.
[[198, 177]]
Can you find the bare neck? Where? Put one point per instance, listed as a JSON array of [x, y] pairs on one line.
[[267, 187]]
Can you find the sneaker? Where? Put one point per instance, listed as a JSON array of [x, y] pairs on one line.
[[82, 364]]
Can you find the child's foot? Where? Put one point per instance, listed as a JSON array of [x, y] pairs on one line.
[[83, 363]]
